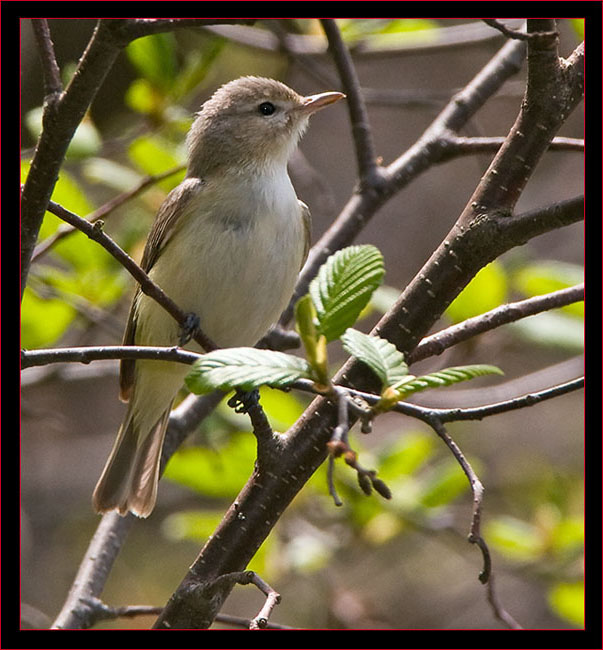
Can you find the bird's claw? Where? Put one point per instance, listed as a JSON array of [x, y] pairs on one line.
[[188, 328]]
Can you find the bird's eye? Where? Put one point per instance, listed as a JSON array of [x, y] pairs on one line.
[[266, 108]]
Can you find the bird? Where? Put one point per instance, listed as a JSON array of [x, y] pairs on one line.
[[227, 245]]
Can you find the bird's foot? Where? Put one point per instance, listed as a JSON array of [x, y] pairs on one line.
[[188, 328]]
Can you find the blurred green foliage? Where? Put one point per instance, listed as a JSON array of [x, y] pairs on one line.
[[427, 485]]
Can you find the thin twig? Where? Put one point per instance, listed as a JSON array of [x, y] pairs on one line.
[[339, 445], [480, 412], [246, 622], [426, 152], [513, 33], [499, 611], [457, 414], [477, 490], [273, 598], [462, 145], [508, 313], [370, 174], [50, 68], [104, 210], [42, 357]]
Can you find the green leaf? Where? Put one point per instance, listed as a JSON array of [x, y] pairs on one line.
[[142, 97], [155, 58], [517, 539], [445, 377], [343, 287], [111, 173], [406, 455], [154, 155], [567, 600], [86, 140], [547, 276], [444, 485], [487, 290], [218, 473], [245, 368], [43, 321], [384, 359], [315, 344], [551, 329]]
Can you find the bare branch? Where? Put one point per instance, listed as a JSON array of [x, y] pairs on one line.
[[50, 67], [109, 38], [246, 622], [30, 358], [442, 38], [462, 146], [513, 33], [369, 172], [273, 598], [477, 489], [104, 210], [440, 341], [57, 132], [133, 28], [475, 536], [427, 151], [499, 611], [480, 412], [79, 610]]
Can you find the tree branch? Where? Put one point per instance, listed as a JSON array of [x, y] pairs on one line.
[[472, 244], [429, 149], [369, 173], [31, 358], [513, 33], [62, 117], [79, 609], [50, 68], [104, 210], [440, 341]]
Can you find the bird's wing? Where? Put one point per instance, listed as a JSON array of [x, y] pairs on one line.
[[307, 223], [163, 227]]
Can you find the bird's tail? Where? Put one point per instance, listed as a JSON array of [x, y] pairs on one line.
[[129, 479]]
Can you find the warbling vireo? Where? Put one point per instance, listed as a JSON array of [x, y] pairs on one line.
[[227, 245]]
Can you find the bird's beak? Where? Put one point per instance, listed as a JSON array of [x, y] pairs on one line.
[[313, 103]]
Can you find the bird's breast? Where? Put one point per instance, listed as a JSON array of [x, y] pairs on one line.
[[235, 258]]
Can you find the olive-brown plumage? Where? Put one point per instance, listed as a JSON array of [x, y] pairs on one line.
[[227, 244]]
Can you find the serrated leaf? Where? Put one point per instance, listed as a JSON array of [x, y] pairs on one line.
[[487, 290], [343, 287], [245, 368], [384, 359], [445, 377]]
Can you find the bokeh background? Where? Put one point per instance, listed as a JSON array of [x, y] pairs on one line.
[[404, 563]]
